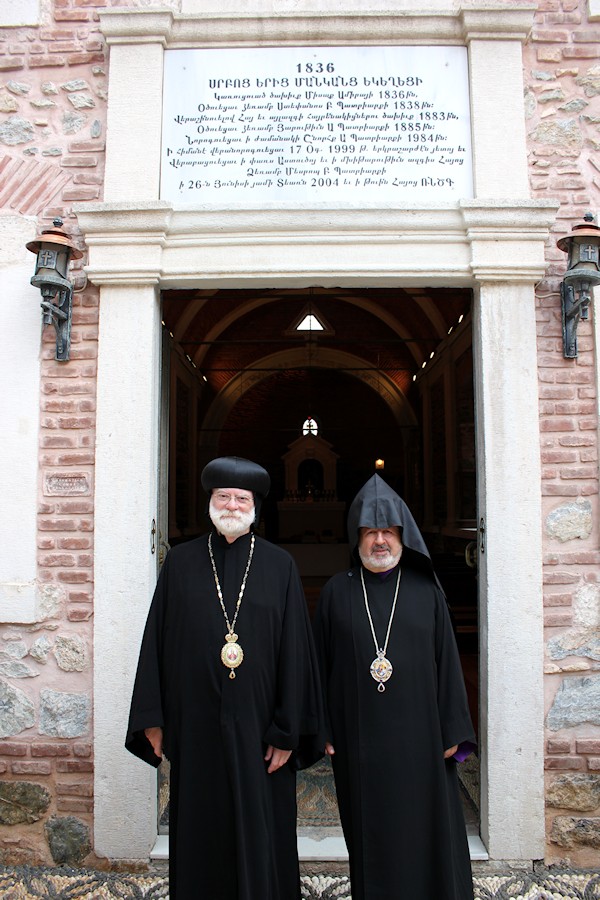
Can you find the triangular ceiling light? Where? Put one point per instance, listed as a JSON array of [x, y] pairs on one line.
[[310, 321]]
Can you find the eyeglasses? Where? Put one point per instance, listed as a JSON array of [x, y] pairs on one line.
[[224, 499]]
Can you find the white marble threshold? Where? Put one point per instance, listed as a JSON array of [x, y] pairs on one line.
[[331, 848]]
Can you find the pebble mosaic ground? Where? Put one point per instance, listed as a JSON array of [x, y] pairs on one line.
[[23, 883]]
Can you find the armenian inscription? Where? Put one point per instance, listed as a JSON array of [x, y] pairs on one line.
[[60, 485], [316, 126]]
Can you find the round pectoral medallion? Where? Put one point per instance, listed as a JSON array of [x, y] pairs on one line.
[[231, 654], [381, 670]]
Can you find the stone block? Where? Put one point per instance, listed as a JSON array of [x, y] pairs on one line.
[[64, 715], [14, 669], [68, 839], [16, 710], [16, 130], [590, 81], [40, 648], [586, 606], [580, 642], [570, 520], [580, 792], [565, 135], [571, 832], [71, 653], [576, 701]]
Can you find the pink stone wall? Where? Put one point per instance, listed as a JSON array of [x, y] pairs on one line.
[[52, 127], [562, 96]]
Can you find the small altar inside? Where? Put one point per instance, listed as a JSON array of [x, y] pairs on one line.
[[311, 519]]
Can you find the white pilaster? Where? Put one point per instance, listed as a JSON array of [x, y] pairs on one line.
[[510, 571], [125, 567], [133, 125], [498, 119]]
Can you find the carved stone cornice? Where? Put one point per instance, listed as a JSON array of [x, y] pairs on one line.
[[463, 244], [461, 24]]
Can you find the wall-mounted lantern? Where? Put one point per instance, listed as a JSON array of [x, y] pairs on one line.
[[379, 465], [54, 251], [583, 272]]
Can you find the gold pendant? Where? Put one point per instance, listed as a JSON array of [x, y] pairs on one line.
[[231, 653], [381, 670]]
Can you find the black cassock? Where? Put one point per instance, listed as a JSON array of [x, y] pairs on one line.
[[398, 798], [232, 829]]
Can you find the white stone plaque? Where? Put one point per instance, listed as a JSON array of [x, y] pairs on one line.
[[62, 485], [314, 127]]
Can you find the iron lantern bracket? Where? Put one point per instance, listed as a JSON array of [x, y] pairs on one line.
[[573, 309], [59, 315]]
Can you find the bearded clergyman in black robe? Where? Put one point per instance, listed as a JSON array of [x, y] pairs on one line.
[[397, 710], [227, 687]]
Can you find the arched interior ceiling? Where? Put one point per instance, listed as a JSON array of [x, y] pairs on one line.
[[356, 377], [391, 330]]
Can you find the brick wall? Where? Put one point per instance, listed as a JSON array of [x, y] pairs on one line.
[[52, 123], [562, 76]]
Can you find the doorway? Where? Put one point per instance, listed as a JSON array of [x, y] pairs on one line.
[[320, 380]]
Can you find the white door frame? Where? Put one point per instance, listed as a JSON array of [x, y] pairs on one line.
[[494, 244]]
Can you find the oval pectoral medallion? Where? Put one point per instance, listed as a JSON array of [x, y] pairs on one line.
[[231, 653], [381, 670]]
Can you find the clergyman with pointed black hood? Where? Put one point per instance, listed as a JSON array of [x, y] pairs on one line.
[[397, 709], [227, 687]]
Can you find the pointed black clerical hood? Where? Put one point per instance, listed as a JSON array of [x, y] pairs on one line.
[[378, 506], [236, 472]]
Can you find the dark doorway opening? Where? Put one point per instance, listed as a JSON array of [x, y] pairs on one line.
[[384, 376]]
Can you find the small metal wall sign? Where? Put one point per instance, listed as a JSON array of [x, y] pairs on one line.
[[314, 127]]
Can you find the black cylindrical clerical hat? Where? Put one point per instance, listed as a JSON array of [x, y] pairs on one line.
[[236, 472]]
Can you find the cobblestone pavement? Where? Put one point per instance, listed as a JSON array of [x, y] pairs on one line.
[[23, 883]]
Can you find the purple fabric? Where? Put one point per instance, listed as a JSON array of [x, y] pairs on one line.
[[464, 750]]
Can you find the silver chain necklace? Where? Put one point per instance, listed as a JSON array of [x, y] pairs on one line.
[[381, 668], [231, 652]]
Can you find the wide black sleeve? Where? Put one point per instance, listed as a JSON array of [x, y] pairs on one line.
[[297, 722], [146, 703], [321, 631], [453, 706]]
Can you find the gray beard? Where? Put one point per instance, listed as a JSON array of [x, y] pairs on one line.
[[231, 524], [380, 564]]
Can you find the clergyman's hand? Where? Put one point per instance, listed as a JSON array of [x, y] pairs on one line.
[[276, 758], [329, 749], [155, 736], [450, 752]]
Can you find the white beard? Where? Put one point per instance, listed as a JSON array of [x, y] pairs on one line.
[[380, 563], [231, 522]]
